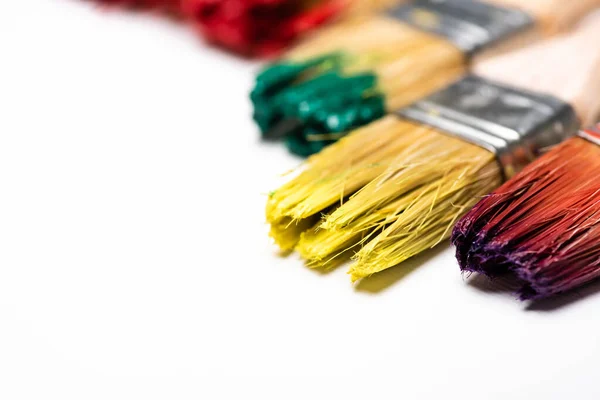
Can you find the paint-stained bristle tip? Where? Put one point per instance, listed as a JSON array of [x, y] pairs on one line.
[[543, 226]]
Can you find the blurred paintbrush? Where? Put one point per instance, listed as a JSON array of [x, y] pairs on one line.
[[396, 187], [258, 27], [355, 72]]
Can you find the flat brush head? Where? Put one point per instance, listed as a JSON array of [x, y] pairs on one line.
[[428, 192], [387, 192], [348, 76], [543, 226], [256, 27]]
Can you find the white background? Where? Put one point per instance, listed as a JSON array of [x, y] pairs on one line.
[[134, 261]]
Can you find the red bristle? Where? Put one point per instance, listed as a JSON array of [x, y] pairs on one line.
[[543, 225], [258, 27]]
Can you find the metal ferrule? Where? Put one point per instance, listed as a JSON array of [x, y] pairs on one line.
[[471, 25], [515, 124], [592, 134]]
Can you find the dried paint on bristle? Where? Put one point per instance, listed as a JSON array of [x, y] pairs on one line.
[[324, 247], [313, 241], [380, 64], [285, 232], [543, 226], [430, 191], [409, 207], [329, 177]]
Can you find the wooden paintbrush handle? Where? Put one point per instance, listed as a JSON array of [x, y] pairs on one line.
[[573, 12], [565, 66], [553, 15]]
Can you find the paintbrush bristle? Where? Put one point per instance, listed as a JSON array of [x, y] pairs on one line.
[[337, 172], [320, 247], [430, 186], [348, 76], [543, 226], [285, 231], [402, 204], [429, 221]]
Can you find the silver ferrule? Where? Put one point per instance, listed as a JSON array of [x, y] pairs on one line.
[[515, 124], [471, 25], [591, 135]]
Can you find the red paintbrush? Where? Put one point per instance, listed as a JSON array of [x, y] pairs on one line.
[[543, 226]]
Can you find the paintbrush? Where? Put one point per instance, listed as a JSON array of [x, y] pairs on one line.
[[542, 226], [395, 188], [355, 72]]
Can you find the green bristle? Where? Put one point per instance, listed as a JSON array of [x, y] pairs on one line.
[[277, 78]]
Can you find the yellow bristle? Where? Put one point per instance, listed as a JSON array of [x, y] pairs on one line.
[[427, 222], [427, 161], [410, 207], [320, 247], [333, 173], [339, 171], [285, 231]]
